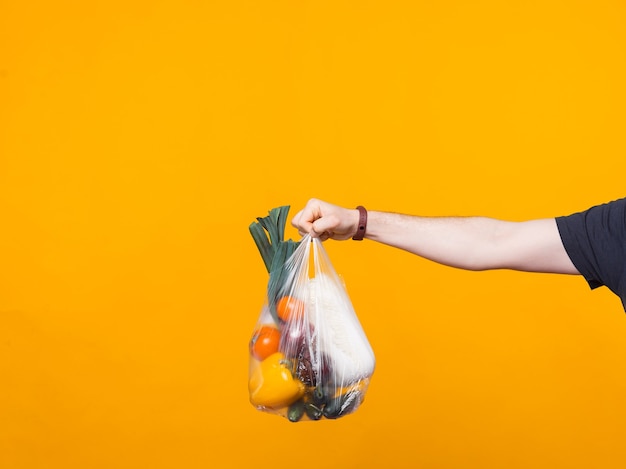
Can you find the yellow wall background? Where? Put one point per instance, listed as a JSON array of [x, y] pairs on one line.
[[138, 140]]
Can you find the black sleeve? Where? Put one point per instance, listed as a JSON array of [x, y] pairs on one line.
[[595, 241]]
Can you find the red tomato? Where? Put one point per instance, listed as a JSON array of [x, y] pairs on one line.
[[290, 308], [264, 342]]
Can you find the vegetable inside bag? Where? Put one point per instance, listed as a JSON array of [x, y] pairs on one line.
[[309, 356]]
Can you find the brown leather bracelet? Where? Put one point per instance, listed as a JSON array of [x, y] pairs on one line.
[[360, 231]]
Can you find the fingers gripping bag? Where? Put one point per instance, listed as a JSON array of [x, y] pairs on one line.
[[309, 356]]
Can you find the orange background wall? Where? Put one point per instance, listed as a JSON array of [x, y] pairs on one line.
[[138, 140]]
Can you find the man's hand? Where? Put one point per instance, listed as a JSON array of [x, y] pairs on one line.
[[323, 220]]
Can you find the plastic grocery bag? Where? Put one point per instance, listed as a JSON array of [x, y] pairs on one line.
[[309, 356]]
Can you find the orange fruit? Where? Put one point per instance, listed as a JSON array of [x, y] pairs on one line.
[[264, 342], [289, 308]]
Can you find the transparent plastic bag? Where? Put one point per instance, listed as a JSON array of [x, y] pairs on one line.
[[309, 356]]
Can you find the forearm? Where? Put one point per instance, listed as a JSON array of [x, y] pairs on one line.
[[474, 243]]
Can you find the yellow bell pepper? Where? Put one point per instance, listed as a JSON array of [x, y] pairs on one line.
[[272, 384]]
